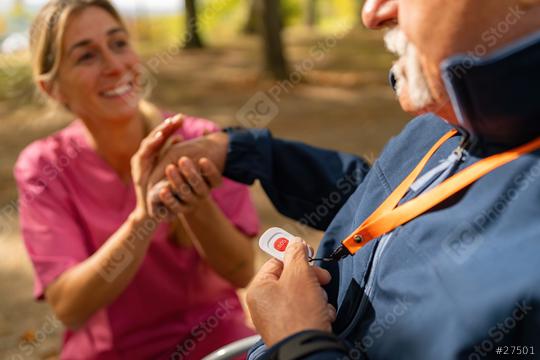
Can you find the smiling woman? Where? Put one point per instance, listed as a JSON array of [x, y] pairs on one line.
[[85, 55], [125, 283]]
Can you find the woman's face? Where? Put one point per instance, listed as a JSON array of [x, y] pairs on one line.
[[98, 75]]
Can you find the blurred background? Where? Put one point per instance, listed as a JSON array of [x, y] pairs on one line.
[[322, 76]]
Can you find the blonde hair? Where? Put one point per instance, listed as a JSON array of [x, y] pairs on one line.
[[48, 29]]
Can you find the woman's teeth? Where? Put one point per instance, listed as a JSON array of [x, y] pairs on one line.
[[119, 91]]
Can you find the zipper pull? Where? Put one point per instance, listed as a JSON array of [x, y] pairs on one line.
[[461, 151]]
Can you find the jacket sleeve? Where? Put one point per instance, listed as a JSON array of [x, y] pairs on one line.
[[304, 183], [305, 345]]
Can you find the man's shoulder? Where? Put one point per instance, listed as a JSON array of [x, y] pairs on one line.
[[428, 122], [406, 149], [422, 131]]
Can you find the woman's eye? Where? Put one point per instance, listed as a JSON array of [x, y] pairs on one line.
[[120, 44], [85, 57]]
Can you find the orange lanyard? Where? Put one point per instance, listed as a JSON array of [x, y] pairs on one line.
[[389, 216]]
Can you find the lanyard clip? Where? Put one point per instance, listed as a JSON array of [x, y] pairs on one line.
[[340, 253]]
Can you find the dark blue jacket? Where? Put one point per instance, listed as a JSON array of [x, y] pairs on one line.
[[455, 283]]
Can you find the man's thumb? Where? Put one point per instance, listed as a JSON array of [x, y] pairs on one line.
[[296, 253]]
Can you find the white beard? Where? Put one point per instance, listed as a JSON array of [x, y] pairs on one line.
[[409, 71]]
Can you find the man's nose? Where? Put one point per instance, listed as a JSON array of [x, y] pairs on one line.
[[379, 13]]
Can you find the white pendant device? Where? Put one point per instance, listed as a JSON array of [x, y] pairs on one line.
[[274, 242]]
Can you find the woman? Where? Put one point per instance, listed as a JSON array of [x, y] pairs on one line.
[[125, 284]]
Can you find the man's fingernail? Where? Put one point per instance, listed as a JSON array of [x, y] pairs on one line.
[[184, 161], [158, 135]]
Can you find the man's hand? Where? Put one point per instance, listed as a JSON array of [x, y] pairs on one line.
[[212, 147], [286, 298], [188, 185]]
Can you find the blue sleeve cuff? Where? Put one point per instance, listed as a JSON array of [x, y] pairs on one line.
[[243, 157], [308, 345]]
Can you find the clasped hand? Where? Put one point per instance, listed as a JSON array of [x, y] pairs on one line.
[[283, 298], [164, 177]]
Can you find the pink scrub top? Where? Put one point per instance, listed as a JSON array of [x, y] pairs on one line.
[[176, 307]]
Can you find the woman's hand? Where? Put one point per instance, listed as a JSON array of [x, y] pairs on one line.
[[212, 147], [189, 185], [144, 161]]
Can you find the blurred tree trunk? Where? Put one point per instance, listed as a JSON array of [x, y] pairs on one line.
[[253, 23], [193, 39], [276, 63], [312, 13]]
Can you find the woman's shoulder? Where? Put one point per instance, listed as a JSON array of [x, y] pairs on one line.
[[52, 151]]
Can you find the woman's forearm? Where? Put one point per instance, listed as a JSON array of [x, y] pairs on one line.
[[225, 248], [96, 282], [100, 279]]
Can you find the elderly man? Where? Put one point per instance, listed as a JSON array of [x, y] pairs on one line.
[[433, 252]]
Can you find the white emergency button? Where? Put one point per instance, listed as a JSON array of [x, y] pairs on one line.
[[274, 242]]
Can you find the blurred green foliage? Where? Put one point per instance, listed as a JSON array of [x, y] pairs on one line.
[[293, 11], [16, 85]]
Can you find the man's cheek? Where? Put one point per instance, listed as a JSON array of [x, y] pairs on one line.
[[414, 21], [442, 105], [432, 73]]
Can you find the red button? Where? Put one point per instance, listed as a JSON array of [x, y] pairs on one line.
[[281, 244]]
